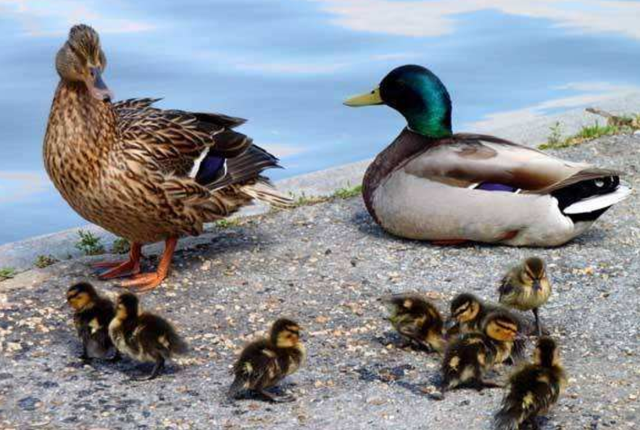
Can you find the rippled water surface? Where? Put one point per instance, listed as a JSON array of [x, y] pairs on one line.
[[287, 65]]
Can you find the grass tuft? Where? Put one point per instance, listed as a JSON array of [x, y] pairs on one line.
[[615, 125], [89, 244], [347, 193], [120, 246], [7, 273], [43, 261], [228, 223]]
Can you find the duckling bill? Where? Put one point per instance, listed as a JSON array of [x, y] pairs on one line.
[[533, 389], [92, 315], [144, 336], [266, 361], [416, 319], [526, 287]]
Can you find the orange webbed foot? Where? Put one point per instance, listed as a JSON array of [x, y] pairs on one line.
[[144, 282], [128, 268], [148, 281], [122, 268]]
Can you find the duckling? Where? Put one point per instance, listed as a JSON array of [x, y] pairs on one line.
[[143, 336], [266, 361], [92, 315], [467, 313], [533, 389], [526, 287], [416, 319], [469, 356]]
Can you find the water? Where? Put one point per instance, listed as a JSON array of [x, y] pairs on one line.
[[287, 66]]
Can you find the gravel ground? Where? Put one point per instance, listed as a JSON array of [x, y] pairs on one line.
[[325, 265]]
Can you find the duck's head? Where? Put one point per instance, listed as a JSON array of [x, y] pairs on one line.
[[81, 60], [127, 306], [501, 326], [81, 296], [285, 333], [418, 95], [534, 275], [465, 307]]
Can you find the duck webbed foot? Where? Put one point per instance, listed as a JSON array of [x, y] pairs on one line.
[[122, 268], [148, 281]]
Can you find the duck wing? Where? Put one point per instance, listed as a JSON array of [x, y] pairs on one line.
[[492, 164], [476, 159], [174, 139]]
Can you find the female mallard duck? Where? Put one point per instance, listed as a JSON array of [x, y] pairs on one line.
[[143, 173], [431, 184]]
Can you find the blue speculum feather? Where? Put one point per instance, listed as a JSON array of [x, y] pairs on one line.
[[210, 169], [490, 186]]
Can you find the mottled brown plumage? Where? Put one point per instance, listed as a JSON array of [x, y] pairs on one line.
[[137, 170]]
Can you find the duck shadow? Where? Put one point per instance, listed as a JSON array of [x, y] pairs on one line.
[[366, 225], [393, 377], [391, 337]]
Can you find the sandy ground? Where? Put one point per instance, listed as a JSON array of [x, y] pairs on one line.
[[325, 265]]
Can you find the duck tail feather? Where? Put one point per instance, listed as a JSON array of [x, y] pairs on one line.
[[264, 191]]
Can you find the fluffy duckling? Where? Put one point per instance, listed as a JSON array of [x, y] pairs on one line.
[[468, 313], [526, 287], [469, 356], [533, 389], [143, 336], [92, 315], [416, 319], [266, 361]]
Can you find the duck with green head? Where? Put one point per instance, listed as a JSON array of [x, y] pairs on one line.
[[432, 184]]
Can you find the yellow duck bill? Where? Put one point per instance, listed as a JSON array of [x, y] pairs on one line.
[[369, 99]]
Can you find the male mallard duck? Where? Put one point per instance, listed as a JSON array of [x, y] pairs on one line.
[[143, 173], [431, 184], [265, 362], [416, 319], [144, 336], [526, 287], [533, 389]]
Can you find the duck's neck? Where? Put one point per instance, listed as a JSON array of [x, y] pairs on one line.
[[80, 119], [80, 133], [432, 118]]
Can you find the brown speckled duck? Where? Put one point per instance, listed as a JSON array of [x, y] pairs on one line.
[[143, 173]]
